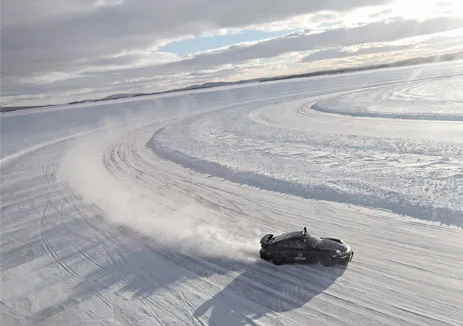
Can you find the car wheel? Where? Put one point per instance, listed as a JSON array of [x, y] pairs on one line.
[[277, 259], [327, 261], [263, 256]]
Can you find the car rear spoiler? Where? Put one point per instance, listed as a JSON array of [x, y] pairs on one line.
[[266, 239]]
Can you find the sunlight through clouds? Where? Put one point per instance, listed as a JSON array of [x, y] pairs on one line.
[[56, 46]]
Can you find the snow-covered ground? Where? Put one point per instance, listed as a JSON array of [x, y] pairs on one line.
[[150, 211], [438, 98]]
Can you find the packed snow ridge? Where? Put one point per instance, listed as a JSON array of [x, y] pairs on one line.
[[436, 99]]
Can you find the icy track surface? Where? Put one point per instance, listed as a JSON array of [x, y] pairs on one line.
[[150, 212], [434, 99]]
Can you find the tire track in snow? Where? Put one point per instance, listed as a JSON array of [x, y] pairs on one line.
[[49, 174], [48, 246]]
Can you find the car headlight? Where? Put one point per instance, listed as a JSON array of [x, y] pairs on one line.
[[338, 252]]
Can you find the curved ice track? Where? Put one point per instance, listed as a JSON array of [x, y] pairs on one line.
[[74, 255], [410, 167]]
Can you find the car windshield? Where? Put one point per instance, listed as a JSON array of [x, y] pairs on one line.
[[313, 240]]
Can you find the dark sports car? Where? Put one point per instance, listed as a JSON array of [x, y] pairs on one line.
[[303, 247]]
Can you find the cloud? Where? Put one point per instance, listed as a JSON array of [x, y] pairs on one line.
[[39, 36], [370, 33], [342, 52], [29, 13], [50, 46]]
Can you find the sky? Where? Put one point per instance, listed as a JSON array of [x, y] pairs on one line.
[[56, 51]]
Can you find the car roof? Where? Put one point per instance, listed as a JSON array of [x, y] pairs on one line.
[[286, 236]]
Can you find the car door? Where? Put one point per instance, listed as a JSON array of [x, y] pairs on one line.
[[298, 250], [287, 249], [293, 250], [310, 253]]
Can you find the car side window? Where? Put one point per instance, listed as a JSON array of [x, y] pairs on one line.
[[293, 244], [284, 244], [298, 244], [309, 244]]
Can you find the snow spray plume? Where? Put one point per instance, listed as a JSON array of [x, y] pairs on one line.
[[99, 168]]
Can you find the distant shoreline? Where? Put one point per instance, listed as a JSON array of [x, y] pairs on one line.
[[404, 63]]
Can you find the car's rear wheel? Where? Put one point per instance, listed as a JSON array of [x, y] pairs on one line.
[[277, 259], [264, 256]]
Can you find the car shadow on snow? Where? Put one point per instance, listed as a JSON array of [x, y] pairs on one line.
[[259, 289], [138, 269], [263, 289]]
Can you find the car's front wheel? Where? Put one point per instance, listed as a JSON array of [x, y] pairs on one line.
[[327, 261], [277, 259]]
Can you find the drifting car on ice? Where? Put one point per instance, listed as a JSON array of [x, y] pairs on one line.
[[302, 247]]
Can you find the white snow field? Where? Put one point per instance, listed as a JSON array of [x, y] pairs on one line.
[[150, 211]]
